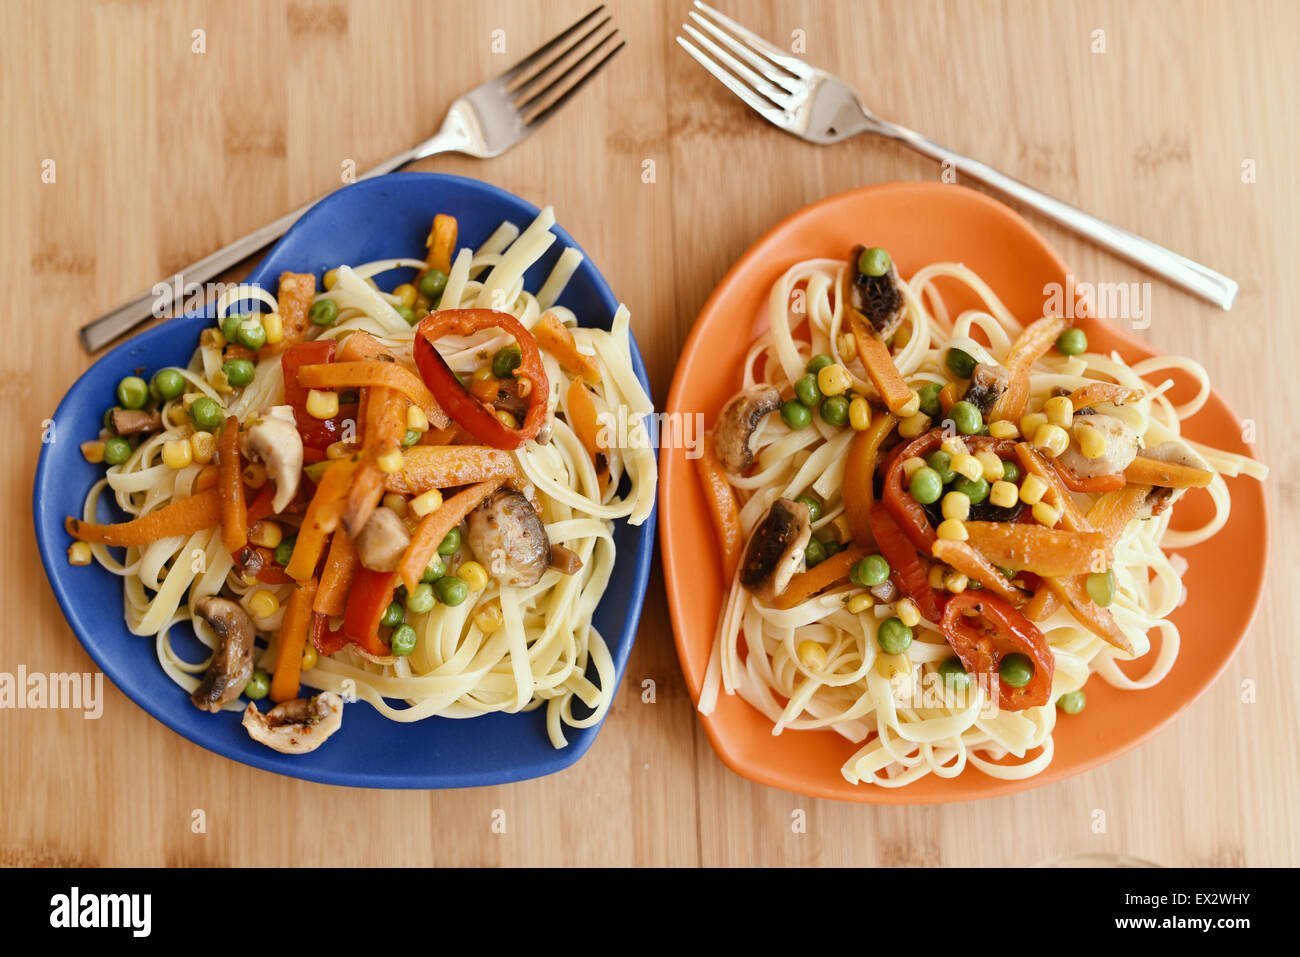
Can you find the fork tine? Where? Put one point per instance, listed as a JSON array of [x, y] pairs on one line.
[[540, 85], [763, 65], [772, 52], [756, 82], [547, 47], [537, 120], [761, 105]]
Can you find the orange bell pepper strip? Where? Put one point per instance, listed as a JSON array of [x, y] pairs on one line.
[[441, 242], [1073, 592], [426, 467], [1032, 345], [1094, 392], [230, 482], [324, 513], [882, 372], [1148, 471], [295, 626], [723, 508], [859, 473], [1049, 552], [1057, 495], [826, 574], [582, 412], [433, 528], [336, 578], [296, 292], [554, 337], [977, 568], [184, 517]]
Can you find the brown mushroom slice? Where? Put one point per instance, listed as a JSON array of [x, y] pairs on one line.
[[987, 383], [565, 560], [736, 424], [232, 662], [776, 550], [506, 535], [273, 440], [383, 541], [878, 298], [1180, 453], [136, 421], [298, 726], [1121, 447]]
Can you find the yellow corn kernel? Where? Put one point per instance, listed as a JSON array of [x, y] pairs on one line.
[[833, 379], [506, 419], [1004, 429], [891, 666], [1091, 442], [902, 337], [482, 373], [489, 618], [993, 468], [912, 466], [936, 576], [523, 388], [203, 447], [274, 327], [847, 347], [956, 505], [177, 454], [1029, 424], [1059, 411], [263, 604], [188, 399], [812, 655], [93, 452], [254, 474], [267, 534], [843, 531], [1032, 489], [952, 530], [953, 445], [860, 603], [417, 420], [331, 277], [338, 450], [914, 426], [406, 294], [966, 465], [315, 470], [1003, 494], [955, 582], [174, 416], [396, 503], [908, 613], [473, 575], [309, 657], [79, 553], [910, 407], [221, 382], [1044, 514], [424, 504], [859, 414], [322, 403], [1051, 439], [390, 462]]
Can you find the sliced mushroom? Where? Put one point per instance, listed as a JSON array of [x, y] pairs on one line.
[[776, 551], [878, 298], [136, 421], [383, 540], [506, 535], [736, 424], [298, 726], [273, 440], [1180, 453], [987, 383], [565, 560], [1121, 448], [232, 663]]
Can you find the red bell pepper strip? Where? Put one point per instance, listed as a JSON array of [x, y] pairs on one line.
[[260, 563], [327, 642], [466, 409], [371, 594], [978, 650], [316, 433], [908, 573]]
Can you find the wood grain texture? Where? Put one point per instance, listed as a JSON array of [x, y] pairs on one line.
[[163, 154]]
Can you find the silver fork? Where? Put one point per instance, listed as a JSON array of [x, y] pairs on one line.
[[818, 107], [486, 121]]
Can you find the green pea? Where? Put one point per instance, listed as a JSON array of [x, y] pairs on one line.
[[1101, 587], [873, 262], [954, 673], [832, 546], [324, 312], [252, 334], [870, 571], [929, 394], [450, 544], [238, 371], [926, 486], [1010, 471], [806, 390], [259, 686], [941, 462], [966, 417], [349, 397], [437, 568], [814, 553], [1072, 342], [961, 364], [1072, 702], [410, 437], [284, 551], [406, 312], [451, 590], [1016, 670], [977, 490], [507, 361], [796, 415], [117, 450], [393, 615], [814, 506], [133, 392], [433, 282], [817, 363], [167, 383], [402, 641], [400, 593], [230, 326], [835, 410], [206, 414], [422, 600], [893, 636]]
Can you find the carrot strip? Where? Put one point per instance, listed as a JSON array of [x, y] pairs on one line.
[[1094, 392], [1148, 471], [426, 467], [1041, 550], [295, 626], [1092, 616], [1060, 498], [433, 528], [976, 567], [441, 242], [829, 572], [297, 289], [323, 515], [582, 412], [340, 567], [185, 517], [260, 507], [385, 426], [377, 372], [723, 509], [363, 347], [556, 338], [859, 473], [230, 482], [879, 364], [1032, 345]]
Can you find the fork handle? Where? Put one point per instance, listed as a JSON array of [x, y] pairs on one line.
[[152, 303], [1179, 270]]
